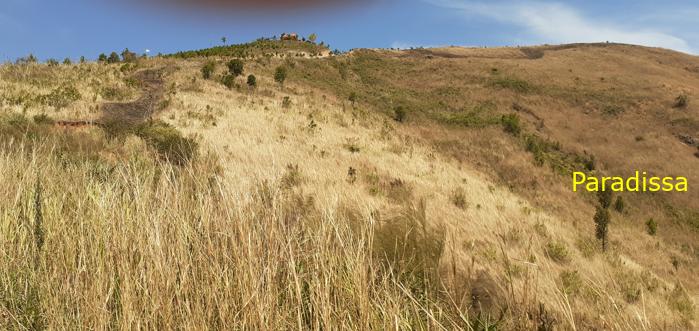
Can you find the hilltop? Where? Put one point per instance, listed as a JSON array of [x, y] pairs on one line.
[[373, 189]]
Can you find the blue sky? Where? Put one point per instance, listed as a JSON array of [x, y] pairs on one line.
[[71, 28]]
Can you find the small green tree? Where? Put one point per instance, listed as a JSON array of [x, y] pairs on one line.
[[128, 56], [67, 61], [252, 81], [224, 40], [208, 69], [312, 38], [605, 198], [82, 59], [280, 75], [602, 219], [399, 114], [52, 62], [651, 227], [102, 58], [113, 58], [236, 67]]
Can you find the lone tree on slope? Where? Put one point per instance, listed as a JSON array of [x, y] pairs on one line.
[[280, 75], [603, 217]]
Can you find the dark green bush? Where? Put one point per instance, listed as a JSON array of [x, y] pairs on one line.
[[128, 56], [511, 124], [43, 119], [113, 58], [280, 75], [514, 84], [228, 81], [399, 114], [252, 81], [651, 227], [235, 67], [208, 69], [168, 142], [61, 97], [558, 251]]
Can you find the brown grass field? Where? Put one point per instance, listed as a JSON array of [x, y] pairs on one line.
[[373, 190]]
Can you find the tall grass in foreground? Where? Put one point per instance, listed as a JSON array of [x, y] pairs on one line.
[[135, 243]]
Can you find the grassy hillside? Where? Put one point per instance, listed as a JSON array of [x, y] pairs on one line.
[[416, 189]]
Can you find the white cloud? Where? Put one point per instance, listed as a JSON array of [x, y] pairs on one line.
[[552, 22]]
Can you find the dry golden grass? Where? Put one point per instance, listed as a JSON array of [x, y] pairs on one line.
[[329, 215]]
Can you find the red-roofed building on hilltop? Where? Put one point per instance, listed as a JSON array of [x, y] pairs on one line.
[[290, 36]]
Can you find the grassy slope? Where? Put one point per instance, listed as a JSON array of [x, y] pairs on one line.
[[275, 226]]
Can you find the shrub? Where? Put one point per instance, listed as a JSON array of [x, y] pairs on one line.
[[352, 145], [52, 62], [102, 58], [571, 281], [410, 248], [43, 119], [682, 101], [113, 93], [558, 252], [399, 114], [168, 142], [228, 81], [458, 198], [61, 97], [511, 125], [252, 81], [280, 75], [235, 67], [208, 69], [680, 301], [113, 58], [619, 205], [651, 227], [351, 175], [514, 84], [630, 285], [67, 61], [613, 110], [128, 56], [353, 97], [286, 102], [312, 37]]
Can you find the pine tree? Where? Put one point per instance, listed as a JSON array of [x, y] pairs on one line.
[[602, 219], [113, 58], [236, 67], [280, 75]]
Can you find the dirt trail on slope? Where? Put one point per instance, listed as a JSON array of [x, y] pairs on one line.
[[126, 115]]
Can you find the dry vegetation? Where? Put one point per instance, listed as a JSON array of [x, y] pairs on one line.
[[423, 189]]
